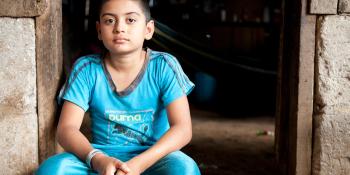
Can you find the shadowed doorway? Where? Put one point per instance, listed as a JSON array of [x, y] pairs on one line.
[[230, 50]]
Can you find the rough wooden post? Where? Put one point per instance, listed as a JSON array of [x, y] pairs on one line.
[[49, 70], [294, 140], [301, 120]]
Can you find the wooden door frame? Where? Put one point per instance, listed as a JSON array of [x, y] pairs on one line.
[[294, 96], [295, 89], [49, 61]]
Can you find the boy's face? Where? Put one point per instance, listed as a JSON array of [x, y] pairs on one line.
[[123, 27]]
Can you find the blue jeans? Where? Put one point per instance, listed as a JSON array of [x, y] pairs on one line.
[[175, 163]]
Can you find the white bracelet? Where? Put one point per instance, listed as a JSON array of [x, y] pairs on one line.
[[91, 155]]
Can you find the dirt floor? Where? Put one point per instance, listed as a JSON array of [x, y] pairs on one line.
[[224, 145]]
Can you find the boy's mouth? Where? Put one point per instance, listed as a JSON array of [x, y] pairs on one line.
[[120, 40]]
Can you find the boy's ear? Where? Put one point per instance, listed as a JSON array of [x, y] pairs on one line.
[[149, 30], [98, 29]]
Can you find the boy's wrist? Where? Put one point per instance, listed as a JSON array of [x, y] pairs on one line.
[[93, 153], [95, 160], [137, 161]]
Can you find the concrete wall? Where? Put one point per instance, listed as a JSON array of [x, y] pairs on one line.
[[344, 6], [331, 153], [30, 71], [323, 6], [18, 101]]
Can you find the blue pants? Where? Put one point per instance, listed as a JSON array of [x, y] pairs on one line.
[[176, 163]]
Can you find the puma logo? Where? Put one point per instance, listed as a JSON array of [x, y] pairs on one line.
[[123, 117]]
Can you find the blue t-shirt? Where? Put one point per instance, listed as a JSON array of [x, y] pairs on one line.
[[133, 117]]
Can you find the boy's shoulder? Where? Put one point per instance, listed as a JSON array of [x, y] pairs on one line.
[[164, 57], [160, 55], [93, 58], [86, 60]]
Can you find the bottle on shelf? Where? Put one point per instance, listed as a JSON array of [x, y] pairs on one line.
[[223, 15], [235, 17], [266, 15]]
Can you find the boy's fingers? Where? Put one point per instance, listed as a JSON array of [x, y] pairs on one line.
[[119, 172], [122, 166], [110, 171], [125, 167]]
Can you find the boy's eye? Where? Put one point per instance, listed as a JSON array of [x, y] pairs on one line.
[[109, 21], [130, 20]]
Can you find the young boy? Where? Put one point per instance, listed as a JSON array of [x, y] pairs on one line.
[[137, 102]]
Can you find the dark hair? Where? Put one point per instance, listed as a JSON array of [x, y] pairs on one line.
[[144, 6]]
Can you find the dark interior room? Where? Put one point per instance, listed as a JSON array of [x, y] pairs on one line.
[[230, 50]]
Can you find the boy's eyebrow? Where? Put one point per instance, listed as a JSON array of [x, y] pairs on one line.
[[112, 14]]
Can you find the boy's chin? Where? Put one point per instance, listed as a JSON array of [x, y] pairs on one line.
[[120, 50]]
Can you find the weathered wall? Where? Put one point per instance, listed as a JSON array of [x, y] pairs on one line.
[[331, 154], [18, 101], [22, 8], [30, 70], [344, 6], [323, 6], [329, 6]]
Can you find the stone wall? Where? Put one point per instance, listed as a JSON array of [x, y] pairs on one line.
[[18, 100], [30, 72], [323, 6], [331, 153], [344, 6]]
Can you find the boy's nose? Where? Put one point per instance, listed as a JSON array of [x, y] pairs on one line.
[[119, 27]]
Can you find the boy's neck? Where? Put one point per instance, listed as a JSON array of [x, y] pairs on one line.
[[125, 63]]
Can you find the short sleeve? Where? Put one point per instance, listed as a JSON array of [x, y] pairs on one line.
[[174, 82], [77, 87]]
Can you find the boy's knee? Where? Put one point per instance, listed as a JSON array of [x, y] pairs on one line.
[[182, 164], [57, 164]]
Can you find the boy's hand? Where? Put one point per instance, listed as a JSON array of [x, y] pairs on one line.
[[106, 165], [134, 169]]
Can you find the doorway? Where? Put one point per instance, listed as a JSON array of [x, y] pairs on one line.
[[230, 49]]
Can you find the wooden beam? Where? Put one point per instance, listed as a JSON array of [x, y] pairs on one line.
[[295, 107], [302, 113], [282, 101], [49, 70], [22, 8]]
